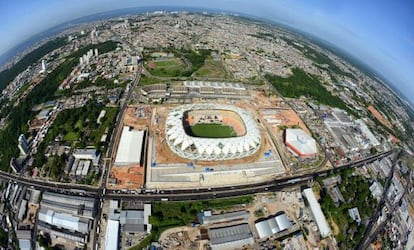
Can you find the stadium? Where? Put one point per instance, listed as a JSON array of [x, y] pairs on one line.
[[211, 132]]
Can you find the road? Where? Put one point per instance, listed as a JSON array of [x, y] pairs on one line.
[[185, 194], [100, 192], [371, 231]]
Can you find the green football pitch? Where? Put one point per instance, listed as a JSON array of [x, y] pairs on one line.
[[206, 130]]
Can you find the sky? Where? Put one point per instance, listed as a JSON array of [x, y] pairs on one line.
[[379, 33]]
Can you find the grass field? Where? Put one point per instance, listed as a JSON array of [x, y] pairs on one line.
[[166, 215], [168, 68], [212, 69], [204, 130]]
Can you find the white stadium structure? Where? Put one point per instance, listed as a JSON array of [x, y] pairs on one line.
[[211, 149]]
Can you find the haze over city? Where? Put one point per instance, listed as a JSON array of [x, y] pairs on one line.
[[378, 33]]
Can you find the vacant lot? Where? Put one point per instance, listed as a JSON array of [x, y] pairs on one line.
[[211, 69]]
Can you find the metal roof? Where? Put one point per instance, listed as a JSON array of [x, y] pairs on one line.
[[131, 217], [130, 146], [272, 225], [317, 213], [239, 215], [111, 235], [63, 220], [229, 234]]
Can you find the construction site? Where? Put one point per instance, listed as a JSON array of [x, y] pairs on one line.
[[145, 156]]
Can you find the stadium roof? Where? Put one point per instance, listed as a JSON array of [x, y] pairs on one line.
[[300, 143], [317, 213], [211, 149], [272, 225], [130, 146]]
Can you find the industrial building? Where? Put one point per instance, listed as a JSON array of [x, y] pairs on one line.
[[131, 220], [25, 239], [272, 225], [230, 237], [75, 205], [300, 143], [130, 147], [112, 235], [65, 221], [317, 213], [207, 218]]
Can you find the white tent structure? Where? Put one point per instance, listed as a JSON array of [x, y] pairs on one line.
[[211, 149], [272, 225]]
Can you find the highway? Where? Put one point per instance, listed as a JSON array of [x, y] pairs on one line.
[[185, 194]]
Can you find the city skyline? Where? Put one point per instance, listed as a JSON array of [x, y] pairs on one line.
[[378, 34]]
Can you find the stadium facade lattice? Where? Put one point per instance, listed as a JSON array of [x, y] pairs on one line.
[[211, 149]]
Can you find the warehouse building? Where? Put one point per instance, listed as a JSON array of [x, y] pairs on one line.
[[272, 225], [130, 147], [207, 218], [65, 221], [230, 237], [75, 205], [317, 213], [112, 235]]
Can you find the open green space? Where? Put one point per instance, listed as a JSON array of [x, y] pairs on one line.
[[78, 128], [148, 80], [167, 68], [212, 130], [211, 69], [3, 238], [101, 82], [194, 60], [355, 190], [166, 215], [303, 84]]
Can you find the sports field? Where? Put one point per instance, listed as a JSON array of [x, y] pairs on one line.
[[205, 130]]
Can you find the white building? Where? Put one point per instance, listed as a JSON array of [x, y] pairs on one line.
[[317, 213], [88, 154], [63, 220], [130, 147], [300, 143], [211, 149], [112, 235], [272, 225]]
